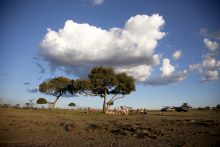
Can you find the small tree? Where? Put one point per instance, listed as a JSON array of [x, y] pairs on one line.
[[105, 82], [185, 106], [72, 105], [217, 107], [27, 105], [42, 101], [56, 87]]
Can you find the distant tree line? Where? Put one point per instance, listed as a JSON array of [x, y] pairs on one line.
[[72, 105], [187, 107]]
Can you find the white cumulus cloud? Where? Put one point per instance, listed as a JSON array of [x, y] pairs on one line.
[[177, 54], [210, 75], [77, 47], [207, 64], [140, 72], [165, 80], [209, 68], [211, 45], [210, 63], [167, 69]]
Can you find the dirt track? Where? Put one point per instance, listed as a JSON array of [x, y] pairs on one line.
[[20, 127]]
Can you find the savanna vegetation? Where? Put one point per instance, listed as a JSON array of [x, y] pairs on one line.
[[85, 127], [102, 82]]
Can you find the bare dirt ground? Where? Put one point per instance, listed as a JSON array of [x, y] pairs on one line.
[[58, 128]]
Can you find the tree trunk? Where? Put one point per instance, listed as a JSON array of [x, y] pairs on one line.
[[104, 104], [55, 102]]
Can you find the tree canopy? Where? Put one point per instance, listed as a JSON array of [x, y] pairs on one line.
[[57, 87], [41, 101], [103, 80], [80, 86], [72, 104], [185, 106]]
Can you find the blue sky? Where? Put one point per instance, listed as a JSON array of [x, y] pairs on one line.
[[190, 28]]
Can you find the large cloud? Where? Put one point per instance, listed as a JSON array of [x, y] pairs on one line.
[[79, 47]]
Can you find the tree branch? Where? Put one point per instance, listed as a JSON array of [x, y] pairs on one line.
[[115, 98]]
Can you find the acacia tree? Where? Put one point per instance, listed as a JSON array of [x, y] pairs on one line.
[[57, 87], [104, 82], [72, 105], [42, 101]]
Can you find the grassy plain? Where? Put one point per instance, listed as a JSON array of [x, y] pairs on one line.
[[59, 128]]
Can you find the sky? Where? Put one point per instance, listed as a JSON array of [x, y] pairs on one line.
[[170, 47]]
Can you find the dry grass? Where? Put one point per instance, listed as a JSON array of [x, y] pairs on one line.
[[20, 127]]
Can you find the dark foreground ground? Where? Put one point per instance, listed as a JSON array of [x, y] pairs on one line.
[[59, 128]]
